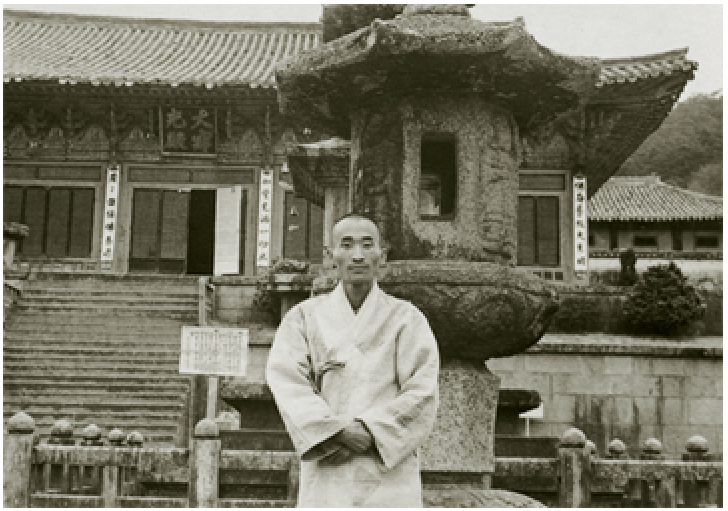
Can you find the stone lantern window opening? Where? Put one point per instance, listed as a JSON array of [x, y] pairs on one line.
[[438, 176]]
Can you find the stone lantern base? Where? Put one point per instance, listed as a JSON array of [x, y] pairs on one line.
[[462, 441]]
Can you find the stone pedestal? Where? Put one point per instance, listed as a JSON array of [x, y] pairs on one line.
[[462, 440]]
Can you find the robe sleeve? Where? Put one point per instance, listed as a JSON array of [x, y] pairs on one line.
[[404, 424], [307, 416]]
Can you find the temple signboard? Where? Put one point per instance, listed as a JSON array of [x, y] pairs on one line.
[[188, 130], [262, 258], [581, 239], [110, 206], [214, 351]]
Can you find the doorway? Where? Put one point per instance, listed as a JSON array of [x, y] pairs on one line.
[[201, 237]]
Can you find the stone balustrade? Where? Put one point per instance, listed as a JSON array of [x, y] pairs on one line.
[[118, 471]]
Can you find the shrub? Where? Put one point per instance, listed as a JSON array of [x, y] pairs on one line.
[[662, 302], [267, 301]]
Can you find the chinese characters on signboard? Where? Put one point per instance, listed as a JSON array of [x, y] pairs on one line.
[[581, 237], [265, 209], [188, 130], [110, 209], [214, 351]]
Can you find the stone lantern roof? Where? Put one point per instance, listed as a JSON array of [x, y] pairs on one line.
[[434, 49]]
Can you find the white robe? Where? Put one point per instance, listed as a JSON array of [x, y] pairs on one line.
[[329, 366]]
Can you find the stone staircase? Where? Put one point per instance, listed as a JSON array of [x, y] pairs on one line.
[[102, 349]]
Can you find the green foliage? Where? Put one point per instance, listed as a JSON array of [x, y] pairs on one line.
[[708, 179], [662, 302], [342, 19], [690, 138], [268, 301]]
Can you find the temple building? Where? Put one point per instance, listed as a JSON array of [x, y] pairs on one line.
[[137, 145], [158, 146], [660, 222]]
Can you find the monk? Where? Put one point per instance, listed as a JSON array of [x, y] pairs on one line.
[[354, 376]]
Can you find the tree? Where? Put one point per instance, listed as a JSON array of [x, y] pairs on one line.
[[708, 179], [691, 137]]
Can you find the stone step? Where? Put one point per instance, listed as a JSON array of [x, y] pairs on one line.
[[106, 339], [139, 416], [81, 318], [111, 310], [88, 404], [256, 503], [96, 394], [53, 357], [51, 367], [126, 291], [117, 301], [134, 351], [79, 278], [92, 378], [19, 382]]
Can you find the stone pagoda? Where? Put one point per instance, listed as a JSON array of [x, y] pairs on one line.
[[434, 116]]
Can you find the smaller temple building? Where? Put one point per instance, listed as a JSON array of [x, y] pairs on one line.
[[657, 220]]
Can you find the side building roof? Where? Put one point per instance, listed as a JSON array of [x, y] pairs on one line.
[[646, 198], [128, 51]]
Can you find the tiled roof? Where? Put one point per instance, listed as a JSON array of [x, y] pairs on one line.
[[649, 199], [631, 69], [127, 51]]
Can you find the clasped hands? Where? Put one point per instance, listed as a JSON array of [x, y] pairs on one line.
[[353, 439]]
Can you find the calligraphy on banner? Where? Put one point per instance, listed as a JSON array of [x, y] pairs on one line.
[[265, 213], [188, 130], [581, 237], [110, 207], [214, 351]]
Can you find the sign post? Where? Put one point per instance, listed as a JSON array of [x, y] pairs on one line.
[[214, 352], [581, 236]]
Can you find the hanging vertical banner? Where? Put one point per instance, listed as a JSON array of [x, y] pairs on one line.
[[265, 209], [581, 237], [110, 207]]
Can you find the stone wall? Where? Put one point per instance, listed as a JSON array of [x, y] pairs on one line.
[[623, 387]]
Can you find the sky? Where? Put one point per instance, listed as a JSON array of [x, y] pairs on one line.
[[611, 30]]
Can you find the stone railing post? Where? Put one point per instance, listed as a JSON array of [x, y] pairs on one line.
[[201, 299], [110, 473], [204, 465], [616, 450], [574, 489], [17, 457], [700, 492]]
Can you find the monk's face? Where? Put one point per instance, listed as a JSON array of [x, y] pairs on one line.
[[356, 250]]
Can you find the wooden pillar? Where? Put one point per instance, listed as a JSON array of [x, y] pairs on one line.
[[17, 457], [574, 470], [204, 465]]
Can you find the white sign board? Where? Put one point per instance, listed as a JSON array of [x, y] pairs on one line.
[[265, 214], [581, 237], [214, 351], [110, 212]]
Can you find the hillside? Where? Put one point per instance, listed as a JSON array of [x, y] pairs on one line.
[[687, 150]]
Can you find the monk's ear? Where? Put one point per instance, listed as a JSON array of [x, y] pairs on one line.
[[383, 257], [328, 258]]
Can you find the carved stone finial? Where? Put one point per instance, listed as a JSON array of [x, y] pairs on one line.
[[116, 436], [573, 437], [697, 444], [135, 439], [21, 422], [617, 449], [91, 432], [206, 428], [652, 446]]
